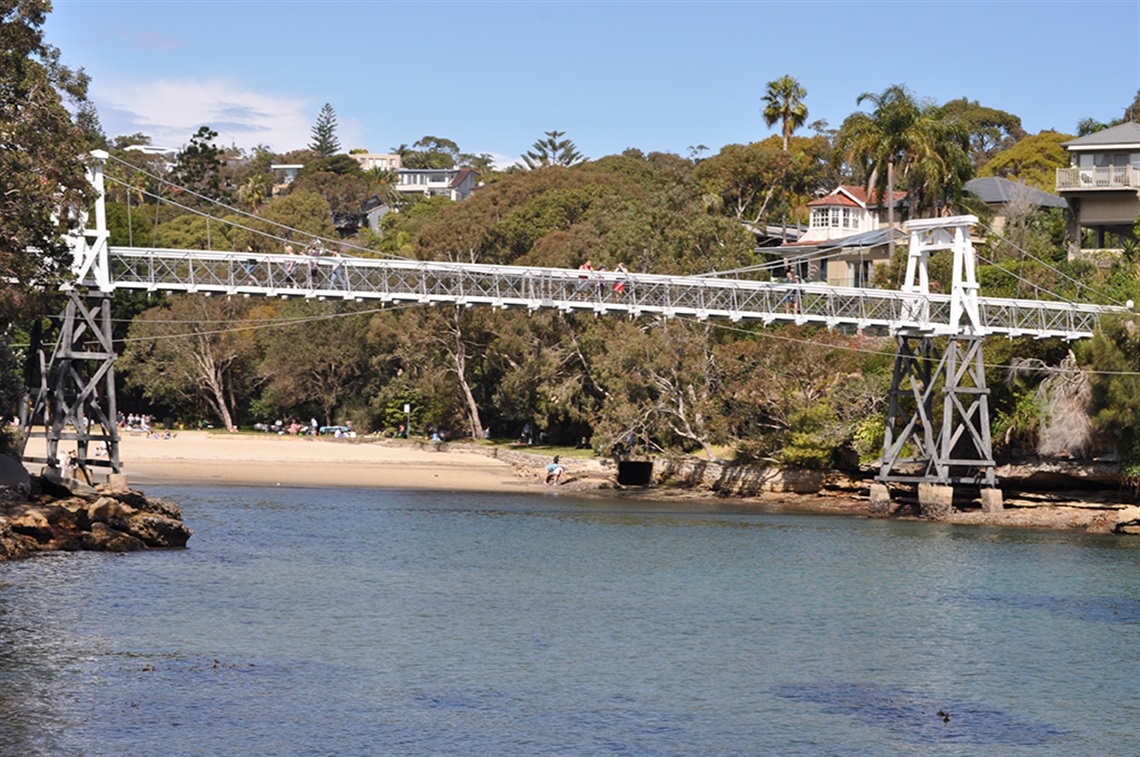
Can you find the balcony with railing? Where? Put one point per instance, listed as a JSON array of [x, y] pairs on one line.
[[1109, 177]]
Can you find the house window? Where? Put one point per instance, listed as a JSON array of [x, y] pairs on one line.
[[850, 218], [835, 218], [819, 218]]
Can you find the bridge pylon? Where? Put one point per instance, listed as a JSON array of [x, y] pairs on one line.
[[74, 389], [938, 421], [75, 397]]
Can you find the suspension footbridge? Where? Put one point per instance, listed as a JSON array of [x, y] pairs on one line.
[[938, 417]]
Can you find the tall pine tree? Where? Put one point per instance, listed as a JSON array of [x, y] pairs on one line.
[[324, 141]]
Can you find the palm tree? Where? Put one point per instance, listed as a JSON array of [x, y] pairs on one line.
[[902, 134], [384, 181], [783, 102]]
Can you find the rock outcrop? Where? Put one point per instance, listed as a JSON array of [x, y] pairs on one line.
[[66, 515]]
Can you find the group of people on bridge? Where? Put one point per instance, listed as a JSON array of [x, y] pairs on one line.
[[292, 269]]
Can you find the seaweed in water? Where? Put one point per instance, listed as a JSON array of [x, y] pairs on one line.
[[922, 718]]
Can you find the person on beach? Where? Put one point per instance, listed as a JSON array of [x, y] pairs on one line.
[[554, 472]]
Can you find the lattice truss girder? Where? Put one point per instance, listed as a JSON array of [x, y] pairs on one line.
[[938, 424], [75, 400], [510, 286]]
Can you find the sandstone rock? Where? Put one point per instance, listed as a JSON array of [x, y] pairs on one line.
[[60, 487], [108, 539], [14, 546], [1127, 520], [107, 510], [32, 522], [159, 506], [158, 531]]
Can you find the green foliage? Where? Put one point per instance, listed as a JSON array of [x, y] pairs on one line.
[[192, 355], [1114, 352], [810, 439], [1032, 160], [302, 211], [42, 182], [868, 437], [133, 227], [344, 193], [320, 361], [990, 130], [1014, 429], [195, 232], [429, 152]]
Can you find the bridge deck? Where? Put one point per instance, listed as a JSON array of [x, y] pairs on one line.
[[572, 290]]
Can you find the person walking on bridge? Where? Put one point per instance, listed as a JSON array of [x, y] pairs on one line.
[[290, 266], [250, 265], [336, 275], [314, 265]]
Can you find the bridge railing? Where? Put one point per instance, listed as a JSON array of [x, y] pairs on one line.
[[531, 287]]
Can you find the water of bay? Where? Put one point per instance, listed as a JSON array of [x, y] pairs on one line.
[[352, 622]]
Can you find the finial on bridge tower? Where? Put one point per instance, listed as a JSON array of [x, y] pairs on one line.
[[929, 235], [89, 246]]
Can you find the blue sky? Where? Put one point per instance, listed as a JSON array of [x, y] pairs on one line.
[[658, 76]]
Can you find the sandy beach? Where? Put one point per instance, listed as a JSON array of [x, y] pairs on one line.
[[209, 457]]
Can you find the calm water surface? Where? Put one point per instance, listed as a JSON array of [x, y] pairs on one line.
[[351, 622]]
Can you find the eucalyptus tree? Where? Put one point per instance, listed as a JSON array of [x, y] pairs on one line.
[[196, 354], [783, 102], [553, 151], [42, 184]]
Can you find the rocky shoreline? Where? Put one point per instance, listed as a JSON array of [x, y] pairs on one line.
[[1091, 505], [69, 516], [44, 514]]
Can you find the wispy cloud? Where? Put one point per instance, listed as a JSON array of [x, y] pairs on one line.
[[170, 111]]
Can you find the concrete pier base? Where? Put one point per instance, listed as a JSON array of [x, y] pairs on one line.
[[992, 501], [880, 504], [934, 501]]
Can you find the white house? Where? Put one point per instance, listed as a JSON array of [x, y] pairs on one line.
[[456, 183], [846, 238]]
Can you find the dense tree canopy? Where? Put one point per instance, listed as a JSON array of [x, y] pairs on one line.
[[42, 182]]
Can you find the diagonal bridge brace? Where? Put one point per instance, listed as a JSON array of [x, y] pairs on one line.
[[75, 400]]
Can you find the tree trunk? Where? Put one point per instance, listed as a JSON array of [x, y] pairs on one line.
[[460, 357], [891, 210]]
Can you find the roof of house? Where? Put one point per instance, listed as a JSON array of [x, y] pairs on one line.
[[1121, 135], [833, 200], [460, 177], [862, 240], [994, 190], [851, 196]]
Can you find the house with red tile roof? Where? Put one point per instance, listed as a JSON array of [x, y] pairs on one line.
[[846, 238]]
